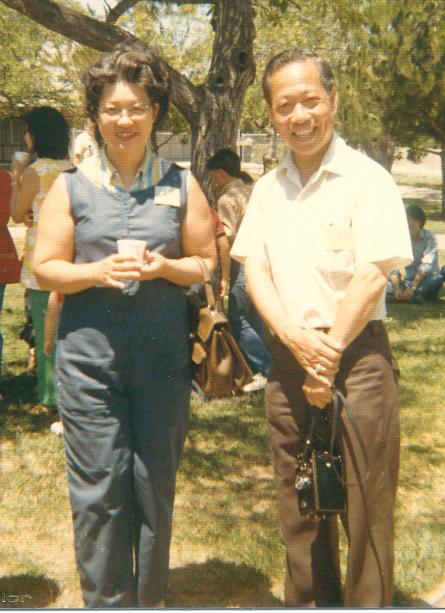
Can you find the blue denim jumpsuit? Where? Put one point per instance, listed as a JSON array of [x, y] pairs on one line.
[[123, 367]]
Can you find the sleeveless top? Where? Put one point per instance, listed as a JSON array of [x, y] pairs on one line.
[[101, 217], [48, 170]]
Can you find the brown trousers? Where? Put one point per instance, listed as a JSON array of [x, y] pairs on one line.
[[368, 378]]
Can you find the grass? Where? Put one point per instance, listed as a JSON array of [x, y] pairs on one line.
[[226, 548]]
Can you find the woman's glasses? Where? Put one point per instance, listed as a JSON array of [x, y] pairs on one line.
[[134, 112]]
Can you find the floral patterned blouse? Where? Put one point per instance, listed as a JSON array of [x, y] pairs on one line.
[[47, 169]]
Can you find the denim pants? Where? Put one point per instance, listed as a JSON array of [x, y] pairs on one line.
[[246, 325]]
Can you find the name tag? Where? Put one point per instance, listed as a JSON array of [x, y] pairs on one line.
[[165, 194], [339, 239]]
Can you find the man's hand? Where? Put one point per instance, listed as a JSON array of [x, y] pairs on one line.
[[317, 394], [317, 353]]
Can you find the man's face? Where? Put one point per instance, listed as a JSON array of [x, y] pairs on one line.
[[302, 111], [218, 178]]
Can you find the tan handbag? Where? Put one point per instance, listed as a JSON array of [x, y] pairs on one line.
[[218, 365]]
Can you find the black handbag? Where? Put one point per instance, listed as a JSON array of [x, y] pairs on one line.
[[218, 365], [321, 488]]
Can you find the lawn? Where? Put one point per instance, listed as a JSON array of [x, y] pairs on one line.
[[226, 549]]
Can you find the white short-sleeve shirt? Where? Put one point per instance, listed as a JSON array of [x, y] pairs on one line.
[[313, 237]]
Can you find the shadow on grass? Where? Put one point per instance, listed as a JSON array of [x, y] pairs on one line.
[[407, 313], [20, 394], [217, 584], [27, 592], [403, 599]]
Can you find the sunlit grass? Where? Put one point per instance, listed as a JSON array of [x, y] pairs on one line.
[[226, 549]]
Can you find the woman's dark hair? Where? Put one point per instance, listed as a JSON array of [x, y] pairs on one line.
[[294, 56], [133, 64], [50, 132], [416, 213]]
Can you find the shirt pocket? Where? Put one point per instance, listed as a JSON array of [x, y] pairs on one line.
[[336, 253]]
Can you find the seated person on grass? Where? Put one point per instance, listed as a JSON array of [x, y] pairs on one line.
[[422, 280]]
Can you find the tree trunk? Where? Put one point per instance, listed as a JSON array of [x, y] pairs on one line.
[[442, 166], [216, 122]]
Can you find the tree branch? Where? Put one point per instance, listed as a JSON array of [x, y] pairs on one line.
[[102, 36], [81, 28], [120, 8]]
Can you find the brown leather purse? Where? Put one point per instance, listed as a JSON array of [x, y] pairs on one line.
[[218, 365]]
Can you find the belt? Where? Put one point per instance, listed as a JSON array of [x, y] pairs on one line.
[[372, 327]]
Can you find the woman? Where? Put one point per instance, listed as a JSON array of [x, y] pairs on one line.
[[123, 351], [423, 279], [9, 262], [47, 134]]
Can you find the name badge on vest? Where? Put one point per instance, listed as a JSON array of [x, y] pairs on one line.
[[165, 194]]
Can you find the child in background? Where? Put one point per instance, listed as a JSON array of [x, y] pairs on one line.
[[55, 301]]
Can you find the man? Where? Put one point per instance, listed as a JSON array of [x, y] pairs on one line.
[[85, 144], [318, 244], [247, 327], [423, 279]]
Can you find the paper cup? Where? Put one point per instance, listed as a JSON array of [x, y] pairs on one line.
[[21, 156], [132, 248]]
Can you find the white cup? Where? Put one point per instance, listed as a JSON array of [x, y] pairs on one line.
[[21, 156], [132, 248]]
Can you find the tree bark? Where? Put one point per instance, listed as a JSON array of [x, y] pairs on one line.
[[213, 108], [442, 166]]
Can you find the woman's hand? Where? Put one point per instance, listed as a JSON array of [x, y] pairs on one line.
[[114, 269], [17, 168], [155, 266]]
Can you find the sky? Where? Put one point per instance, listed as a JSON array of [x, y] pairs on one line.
[[96, 5]]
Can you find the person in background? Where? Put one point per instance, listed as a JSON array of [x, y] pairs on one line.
[[123, 346], [423, 279], [47, 134], [85, 144], [247, 327], [318, 242], [9, 262], [221, 275]]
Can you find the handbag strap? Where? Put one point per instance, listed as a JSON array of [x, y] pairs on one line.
[[210, 296], [339, 397], [339, 401]]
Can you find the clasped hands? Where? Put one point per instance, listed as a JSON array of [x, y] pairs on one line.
[[320, 356], [115, 269]]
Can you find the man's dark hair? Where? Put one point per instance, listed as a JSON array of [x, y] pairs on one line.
[[294, 56], [50, 132], [226, 159], [416, 213], [133, 64]]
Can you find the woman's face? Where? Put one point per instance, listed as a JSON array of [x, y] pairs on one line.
[[29, 140], [125, 119]]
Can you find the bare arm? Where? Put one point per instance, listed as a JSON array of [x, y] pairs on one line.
[[224, 257], [54, 251], [310, 347], [359, 303], [25, 185]]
